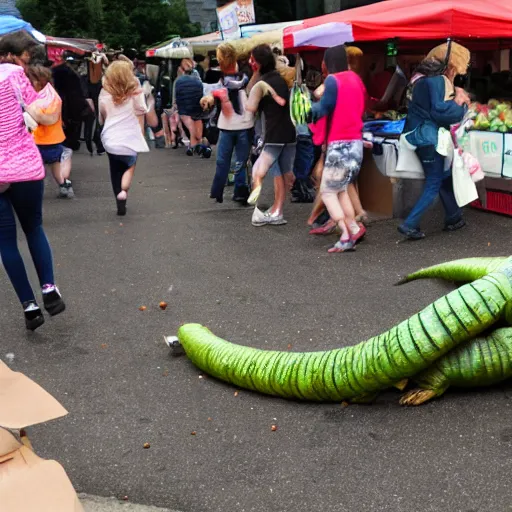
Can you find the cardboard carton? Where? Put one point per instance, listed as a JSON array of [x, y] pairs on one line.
[[29, 483]]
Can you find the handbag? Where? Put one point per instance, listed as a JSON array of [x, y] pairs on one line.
[[464, 188]]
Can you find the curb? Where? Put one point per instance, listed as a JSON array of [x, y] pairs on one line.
[[99, 504]]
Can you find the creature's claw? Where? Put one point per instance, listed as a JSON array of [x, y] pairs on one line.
[[417, 397]]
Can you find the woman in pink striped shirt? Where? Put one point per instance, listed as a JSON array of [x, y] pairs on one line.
[[22, 182]]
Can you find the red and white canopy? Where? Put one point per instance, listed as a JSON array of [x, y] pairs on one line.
[[405, 19]]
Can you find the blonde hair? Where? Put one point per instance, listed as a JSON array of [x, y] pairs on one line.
[[226, 55], [459, 57], [120, 82], [354, 58]]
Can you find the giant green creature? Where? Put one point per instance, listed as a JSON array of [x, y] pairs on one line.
[[420, 348]]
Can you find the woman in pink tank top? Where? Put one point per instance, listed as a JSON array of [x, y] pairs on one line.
[[339, 123]]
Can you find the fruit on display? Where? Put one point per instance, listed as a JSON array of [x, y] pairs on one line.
[[496, 116], [389, 115]]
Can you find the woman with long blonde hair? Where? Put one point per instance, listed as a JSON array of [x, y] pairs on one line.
[[122, 109]]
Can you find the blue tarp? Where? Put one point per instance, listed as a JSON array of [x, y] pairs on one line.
[[387, 127], [10, 24]]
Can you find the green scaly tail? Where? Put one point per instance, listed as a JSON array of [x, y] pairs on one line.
[[461, 271], [480, 362], [360, 371]]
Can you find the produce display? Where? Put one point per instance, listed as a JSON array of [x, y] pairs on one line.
[[389, 115], [436, 348], [495, 116], [300, 104]]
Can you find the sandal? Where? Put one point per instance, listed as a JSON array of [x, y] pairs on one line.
[[327, 229], [343, 246], [358, 237]]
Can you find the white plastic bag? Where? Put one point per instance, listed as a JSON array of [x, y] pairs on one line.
[[408, 162], [463, 185]]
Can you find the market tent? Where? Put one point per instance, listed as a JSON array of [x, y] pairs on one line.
[[175, 48], [9, 23], [205, 43], [56, 46], [405, 19]]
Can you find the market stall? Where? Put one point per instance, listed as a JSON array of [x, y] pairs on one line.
[[56, 46], [484, 26]]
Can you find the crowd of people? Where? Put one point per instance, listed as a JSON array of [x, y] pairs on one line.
[[241, 107]]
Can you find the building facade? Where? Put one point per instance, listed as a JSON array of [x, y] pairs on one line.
[[204, 13]]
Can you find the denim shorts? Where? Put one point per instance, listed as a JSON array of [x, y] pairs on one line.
[[51, 153], [126, 160], [283, 156]]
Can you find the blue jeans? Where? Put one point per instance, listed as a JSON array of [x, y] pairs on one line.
[[437, 181], [26, 200], [304, 158], [240, 142]]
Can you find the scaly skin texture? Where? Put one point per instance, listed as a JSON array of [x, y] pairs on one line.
[[482, 361], [461, 271], [359, 372]]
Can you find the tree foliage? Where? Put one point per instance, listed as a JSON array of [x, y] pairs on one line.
[[119, 23]]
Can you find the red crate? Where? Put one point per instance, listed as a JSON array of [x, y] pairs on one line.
[[497, 201]]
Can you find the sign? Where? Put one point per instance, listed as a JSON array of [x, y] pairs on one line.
[[507, 156], [234, 15], [245, 12], [228, 21], [488, 148]]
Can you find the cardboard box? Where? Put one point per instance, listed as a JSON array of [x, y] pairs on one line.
[[29, 483]]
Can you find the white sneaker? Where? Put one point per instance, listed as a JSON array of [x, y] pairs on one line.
[[260, 218]]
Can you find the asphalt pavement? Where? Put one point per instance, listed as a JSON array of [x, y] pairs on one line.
[[269, 287]]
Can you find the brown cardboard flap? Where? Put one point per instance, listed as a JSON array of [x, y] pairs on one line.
[[23, 402], [43, 487]]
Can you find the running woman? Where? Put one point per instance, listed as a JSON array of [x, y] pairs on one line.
[[122, 109]]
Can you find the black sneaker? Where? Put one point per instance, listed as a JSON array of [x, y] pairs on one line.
[[241, 195], [33, 315], [455, 225], [411, 234], [190, 151], [52, 299], [121, 208]]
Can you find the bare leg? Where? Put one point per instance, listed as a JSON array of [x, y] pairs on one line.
[[191, 126], [126, 181], [318, 207], [65, 168], [360, 213], [279, 195], [57, 173], [348, 210], [333, 203], [167, 132], [199, 130]]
